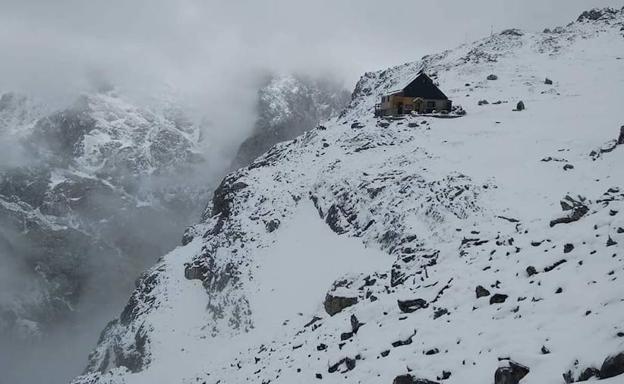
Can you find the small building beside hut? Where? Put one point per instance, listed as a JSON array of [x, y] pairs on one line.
[[419, 95]]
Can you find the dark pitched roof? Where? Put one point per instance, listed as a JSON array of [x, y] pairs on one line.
[[422, 86]]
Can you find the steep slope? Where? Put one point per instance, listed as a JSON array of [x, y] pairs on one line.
[[287, 107], [380, 251]]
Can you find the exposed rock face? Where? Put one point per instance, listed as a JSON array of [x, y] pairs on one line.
[[612, 366], [289, 106], [510, 374], [88, 200]]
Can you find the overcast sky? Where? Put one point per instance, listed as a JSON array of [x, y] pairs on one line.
[[195, 44]]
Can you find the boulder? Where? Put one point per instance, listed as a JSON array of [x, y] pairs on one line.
[[492, 77], [483, 102], [621, 137], [612, 366], [498, 298], [520, 106], [530, 270], [510, 374], [335, 304], [548, 81], [567, 248], [481, 291], [408, 306]]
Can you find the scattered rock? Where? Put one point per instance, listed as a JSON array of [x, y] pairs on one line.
[[384, 124], [492, 77], [408, 306], [530, 270], [481, 291], [512, 32], [578, 208], [588, 373], [409, 379], [498, 298], [272, 225], [355, 324], [545, 351], [511, 374]]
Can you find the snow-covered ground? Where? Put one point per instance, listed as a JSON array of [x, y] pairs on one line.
[[380, 212]]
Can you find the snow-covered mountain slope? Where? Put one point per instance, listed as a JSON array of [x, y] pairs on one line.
[[412, 250], [288, 106], [88, 201]]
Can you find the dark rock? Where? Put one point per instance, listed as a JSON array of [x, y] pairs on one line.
[[611, 242], [612, 366], [445, 375], [578, 208], [596, 14], [548, 81], [409, 379], [483, 102], [520, 106], [408, 306], [567, 248], [512, 32], [355, 324], [481, 291], [554, 265], [440, 312], [347, 361], [319, 376], [530, 270], [498, 298], [568, 167], [346, 336], [272, 225], [588, 373], [492, 77], [334, 304], [432, 351], [512, 374], [545, 351]]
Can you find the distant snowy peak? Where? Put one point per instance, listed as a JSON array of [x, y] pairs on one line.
[[103, 134], [288, 106]]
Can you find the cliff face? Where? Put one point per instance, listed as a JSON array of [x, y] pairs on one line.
[[86, 200], [411, 250], [287, 107]]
